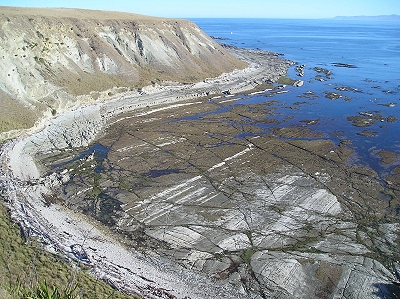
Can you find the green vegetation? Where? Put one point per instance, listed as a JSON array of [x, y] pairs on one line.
[[85, 83], [38, 59], [44, 291], [286, 80], [247, 254], [17, 116], [27, 271]]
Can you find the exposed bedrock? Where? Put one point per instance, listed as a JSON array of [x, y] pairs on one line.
[[270, 218], [202, 207], [55, 59]]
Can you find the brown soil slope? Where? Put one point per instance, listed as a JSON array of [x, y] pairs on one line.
[[51, 57]]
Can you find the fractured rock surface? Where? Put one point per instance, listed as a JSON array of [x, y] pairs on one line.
[[208, 202], [273, 218]]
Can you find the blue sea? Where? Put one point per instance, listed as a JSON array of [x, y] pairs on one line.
[[364, 60]]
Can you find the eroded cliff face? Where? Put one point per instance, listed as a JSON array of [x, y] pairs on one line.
[[55, 59]]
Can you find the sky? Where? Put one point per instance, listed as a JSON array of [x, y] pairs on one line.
[[228, 8]]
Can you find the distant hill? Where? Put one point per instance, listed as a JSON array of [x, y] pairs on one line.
[[376, 18]]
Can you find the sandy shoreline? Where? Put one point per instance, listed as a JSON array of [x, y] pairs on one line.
[[27, 192]]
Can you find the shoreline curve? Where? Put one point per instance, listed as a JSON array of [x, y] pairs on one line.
[[63, 230]]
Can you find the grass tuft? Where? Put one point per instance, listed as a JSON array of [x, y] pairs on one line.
[[286, 80], [43, 291]]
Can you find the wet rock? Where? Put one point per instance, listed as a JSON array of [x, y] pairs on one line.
[[219, 38], [391, 105], [323, 74], [309, 95], [339, 64], [387, 157], [361, 121], [288, 132], [347, 88], [298, 83], [366, 133], [310, 121], [365, 119], [300, 70], [322, 70], [332, 95]]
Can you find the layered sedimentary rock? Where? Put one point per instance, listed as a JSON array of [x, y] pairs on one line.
[[269, 218], [50, 58], [206, 203]]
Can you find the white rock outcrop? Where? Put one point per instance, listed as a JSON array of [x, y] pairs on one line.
[[51, 58]]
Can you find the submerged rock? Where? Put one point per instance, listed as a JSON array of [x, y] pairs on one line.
[[332, 95], [339, 64]]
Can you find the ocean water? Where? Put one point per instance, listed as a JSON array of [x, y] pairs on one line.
[[370, 87]]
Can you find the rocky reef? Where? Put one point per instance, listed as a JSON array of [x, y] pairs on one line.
[[195, 197], [171, 190], [273, 218]]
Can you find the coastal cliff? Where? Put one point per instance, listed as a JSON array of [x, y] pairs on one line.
[[167, 189], [56, 59]]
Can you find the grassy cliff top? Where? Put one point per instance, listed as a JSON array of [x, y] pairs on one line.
[[75, 13]]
